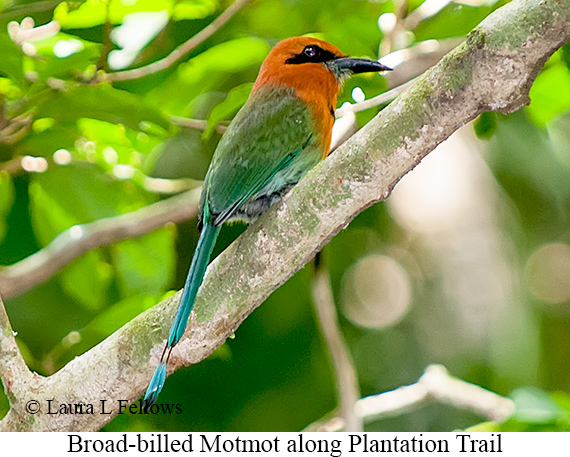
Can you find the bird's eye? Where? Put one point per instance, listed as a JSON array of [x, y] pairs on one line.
[[311, 54], [310, 51]]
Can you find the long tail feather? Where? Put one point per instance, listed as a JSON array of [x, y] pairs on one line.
[[194, 279]]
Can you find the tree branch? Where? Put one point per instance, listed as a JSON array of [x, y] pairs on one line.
[[198, 124], [492, 70], [346, 379], [435, 384], [14, 373], [77, 240], [181, 50]]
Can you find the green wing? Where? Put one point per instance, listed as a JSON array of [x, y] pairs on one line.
[[267, 146]]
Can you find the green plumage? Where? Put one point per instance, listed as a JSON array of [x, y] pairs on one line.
[[266, 150]]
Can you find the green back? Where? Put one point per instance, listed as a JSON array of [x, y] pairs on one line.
[[269, 145]]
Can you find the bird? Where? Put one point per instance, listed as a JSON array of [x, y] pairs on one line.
[[281, 132]]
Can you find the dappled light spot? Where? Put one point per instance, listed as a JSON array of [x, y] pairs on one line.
[[123, 171], [110, 155], [62, 157], [75, 232], [358, 95], [133, 35], [548, 273], [387, 22], [66, 48], [34, 164], [438, 195], [71, 339], [376, 292], [29, 49]]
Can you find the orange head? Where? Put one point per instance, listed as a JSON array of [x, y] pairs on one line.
[[316, 70]]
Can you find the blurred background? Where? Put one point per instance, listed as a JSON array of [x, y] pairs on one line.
[[467, 263]]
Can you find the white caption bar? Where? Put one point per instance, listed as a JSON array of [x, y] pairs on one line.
[[282, 444]]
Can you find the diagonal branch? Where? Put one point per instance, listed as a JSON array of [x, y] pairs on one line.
[[492, 70], [181, 50], [348, 390], [77, 240]]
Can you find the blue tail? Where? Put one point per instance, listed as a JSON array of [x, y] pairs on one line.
[[193, 281]]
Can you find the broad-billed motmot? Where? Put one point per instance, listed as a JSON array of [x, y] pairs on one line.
[[281, 132]]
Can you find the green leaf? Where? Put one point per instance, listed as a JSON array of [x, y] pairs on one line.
[[187, 154], [207, 71], [11, 61], [234, 101], [104, 324], [550, 94], [111, 142], [145, 265], [182, 156], [101, 102], [93, 13], [485, 125], [534, 406], [452, 21], [565, 51], [559, 134], [103, 132], [231, 56], [90, 13], [9, 89], [562, 399], [6, 200], [118, 9], [45, 142], [485, 427], [76, 194], [64, 54], [49, 217], [87, 279], [113, 318], [194, 9]]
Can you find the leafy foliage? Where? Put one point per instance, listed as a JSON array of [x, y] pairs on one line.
[[75, 148]]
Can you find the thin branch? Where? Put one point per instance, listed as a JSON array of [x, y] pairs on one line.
[[379, 100], [198, 124], [435, 384], [12, 167], [26, 32], [346, 379], [408, 63], [492, 70], [168, 186], [425, 10], [396, 37], [16, 128], [77, 240], [102, 62], [181, 50]]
